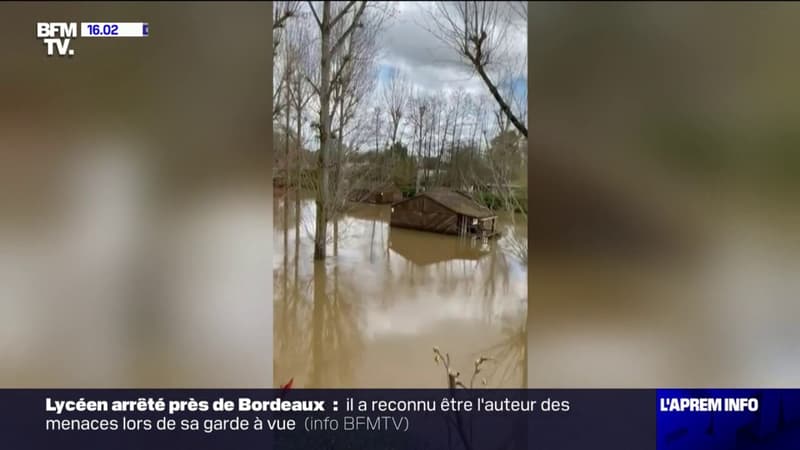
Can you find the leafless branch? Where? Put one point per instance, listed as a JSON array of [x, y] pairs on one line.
[[476, 30], [282, 12], [314, 13]]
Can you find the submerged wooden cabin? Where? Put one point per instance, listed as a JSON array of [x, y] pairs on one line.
[[445, 211]]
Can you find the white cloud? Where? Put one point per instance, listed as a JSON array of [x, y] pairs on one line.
[[429, 64], [406, 43]]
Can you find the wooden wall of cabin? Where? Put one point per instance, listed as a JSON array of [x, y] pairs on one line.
[[424, 214]]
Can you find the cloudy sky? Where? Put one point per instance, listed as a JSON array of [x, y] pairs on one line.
[[406, 45], [429, 64]]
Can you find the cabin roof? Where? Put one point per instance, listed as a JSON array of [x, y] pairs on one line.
[[457, 202]]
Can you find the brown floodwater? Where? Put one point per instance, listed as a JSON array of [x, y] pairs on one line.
[[370, 314], [724, 317]]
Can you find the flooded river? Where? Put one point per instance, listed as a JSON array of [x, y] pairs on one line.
[[371, 313]]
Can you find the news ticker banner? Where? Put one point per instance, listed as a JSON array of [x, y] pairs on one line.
[[58, 37], [400, 419]]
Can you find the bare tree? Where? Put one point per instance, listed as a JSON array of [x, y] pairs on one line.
[[350, 14], [418, 119], [477, 31], [281, 13], [300, 94], [355, 76], [385, 165], [347, 38], [395, 97], [378, 129], [279, 75]]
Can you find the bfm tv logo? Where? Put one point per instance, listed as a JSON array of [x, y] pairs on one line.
[[56, 36]]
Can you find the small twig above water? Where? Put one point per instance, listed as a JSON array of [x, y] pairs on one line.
[[453, 380]]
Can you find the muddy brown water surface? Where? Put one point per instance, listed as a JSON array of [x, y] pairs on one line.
[[370, 314]]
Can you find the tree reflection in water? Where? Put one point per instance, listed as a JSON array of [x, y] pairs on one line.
[[368, 315]]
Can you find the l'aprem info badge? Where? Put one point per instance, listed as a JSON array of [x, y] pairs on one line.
[[58, 37]]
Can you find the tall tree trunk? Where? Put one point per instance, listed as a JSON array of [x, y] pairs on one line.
[[335, 238], [298, 162], [395, 126], [321, 230], [286, 175], [339, 188], [318, 360], [420, 159], [428, 156], [499, 99], [285, 249], [381, 167]]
